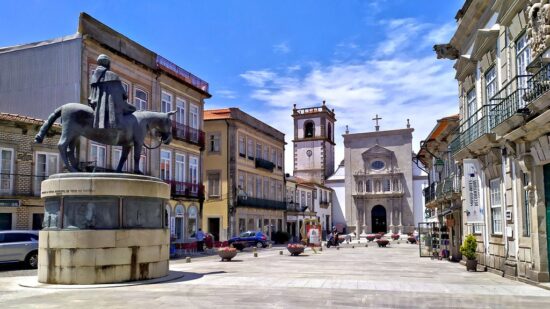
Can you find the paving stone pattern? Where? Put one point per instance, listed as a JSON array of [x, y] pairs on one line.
[[393, 277]]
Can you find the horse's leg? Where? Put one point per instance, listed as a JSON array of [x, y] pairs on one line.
[[72, 155], [137, 156], [62, 145], [123, 158]]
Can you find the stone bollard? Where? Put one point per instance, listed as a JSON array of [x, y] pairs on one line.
[[270, 246], [353, 247], [337, 248], [281, 252], [254, 250], [321, 248], [366, 245], [188, 259], [255, 254]]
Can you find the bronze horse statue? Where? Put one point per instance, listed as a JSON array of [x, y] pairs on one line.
[[77, 120]]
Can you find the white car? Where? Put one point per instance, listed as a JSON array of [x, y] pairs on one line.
[[19, 246]]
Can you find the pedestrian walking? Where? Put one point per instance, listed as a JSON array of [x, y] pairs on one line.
[[200, 241]]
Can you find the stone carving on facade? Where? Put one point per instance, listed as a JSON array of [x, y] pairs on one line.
[[446, 51], [538, 26]]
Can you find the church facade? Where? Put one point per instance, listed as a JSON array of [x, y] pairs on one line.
[[379, 181]]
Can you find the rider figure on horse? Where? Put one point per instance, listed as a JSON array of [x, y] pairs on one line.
[[107, 97]]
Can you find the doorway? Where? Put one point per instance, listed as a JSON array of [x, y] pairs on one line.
[[378, 215], [214, 228]]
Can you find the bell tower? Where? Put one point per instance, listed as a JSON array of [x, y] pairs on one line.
[[313, 142]]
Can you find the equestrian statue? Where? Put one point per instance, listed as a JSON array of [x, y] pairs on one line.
[[109, 119]]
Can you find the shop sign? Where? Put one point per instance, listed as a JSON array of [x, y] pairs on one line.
[[474, 206], [9, 203], [291, 218], [313, 235]]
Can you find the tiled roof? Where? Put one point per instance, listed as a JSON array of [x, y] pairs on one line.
[[214, 114], [24, 119]]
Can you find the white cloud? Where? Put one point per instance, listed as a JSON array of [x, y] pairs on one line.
[[441, 34], [226, 94], [281, 48], [397, 86]]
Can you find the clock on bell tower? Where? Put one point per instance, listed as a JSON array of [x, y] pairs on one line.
[[313, 142]]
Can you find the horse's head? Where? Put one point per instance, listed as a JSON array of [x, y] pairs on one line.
[[165, 128]]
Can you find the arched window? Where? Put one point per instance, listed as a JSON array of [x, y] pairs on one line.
[[309, 129], [369, 189], [387, 185], [179, 222], [192, 221], [167, 215], [329, 132], [360, 186]]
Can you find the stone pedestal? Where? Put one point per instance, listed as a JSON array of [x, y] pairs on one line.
[[103, 228]]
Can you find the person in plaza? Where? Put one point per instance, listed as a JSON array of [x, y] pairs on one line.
[[200, 240], [108, 97]]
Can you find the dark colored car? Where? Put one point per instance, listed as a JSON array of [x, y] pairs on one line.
[[249, 239]]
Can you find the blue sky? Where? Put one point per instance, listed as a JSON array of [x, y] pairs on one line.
[[362, 57]]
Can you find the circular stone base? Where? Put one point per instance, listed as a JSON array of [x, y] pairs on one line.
[[32, 282]]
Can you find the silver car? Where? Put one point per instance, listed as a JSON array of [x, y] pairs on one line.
[[19, 246]]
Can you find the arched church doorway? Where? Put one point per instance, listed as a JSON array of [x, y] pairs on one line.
[[378, 215]]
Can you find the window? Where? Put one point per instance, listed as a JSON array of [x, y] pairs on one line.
[[37, 220], [46, 165], [6, 170], [165, 165], [115, 159], [329, 132], [241, 181], [180, 168], [214, 184], [194, 116], [490, 83], [471, 104], [377, 165], [477, 228], [369, 189], [166, 102], [97, 154], [180, 111], [266, 188], [360, 186], [523, 56], [309, 129], [258, 150], [266, 152], [250, 185], [192, 222], [279, 159], [250, 148], [387, 185], [273, 155], [279, 191], [303, 198], [179, 222], [242, 146], [140, 99], [308, 201], [272, 195], [259, 187], [496, 207], [194, 170], [526, 207], [5, 221], [214, 142]]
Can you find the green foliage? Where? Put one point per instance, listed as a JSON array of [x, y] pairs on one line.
[[280, 237], [468, 248]]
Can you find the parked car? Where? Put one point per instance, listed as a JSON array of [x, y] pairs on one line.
[[249, 239], [19, 246]]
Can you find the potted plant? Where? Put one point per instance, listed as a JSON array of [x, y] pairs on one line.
[[295, 249], [227, 253], [371, 237], [382, 242], [468, 250], [395, 236]]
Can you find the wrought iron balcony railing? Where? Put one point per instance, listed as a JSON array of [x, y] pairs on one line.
[[171, 67], [185, 189], [440, 190], [429, 193], [260, 203], [478, 124], [188, 134], [538, 84], [510, 99], [265, 164]]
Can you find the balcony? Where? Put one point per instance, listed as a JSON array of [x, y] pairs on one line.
[[187, 134], [429, 193], [323, 204], [539, 86], [168, 66], [260, 203], [440, 191], [508, 101], [475, 132], [265, 164], [185, 189], [291, 206]]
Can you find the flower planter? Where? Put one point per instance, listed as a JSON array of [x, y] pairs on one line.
[[295, 249], [371, 237], [412, 240], [227, 253], [378, 236], [382, 242], [395, 236], [471, 265]]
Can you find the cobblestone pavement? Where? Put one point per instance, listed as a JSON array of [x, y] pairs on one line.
[[393, 277]]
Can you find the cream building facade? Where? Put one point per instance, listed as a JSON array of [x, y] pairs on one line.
[[500, 49], [244, 172]]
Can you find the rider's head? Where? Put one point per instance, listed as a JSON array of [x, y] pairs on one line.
[[104, 61]]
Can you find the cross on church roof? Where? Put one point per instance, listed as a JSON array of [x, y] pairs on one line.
[[377, 127]]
